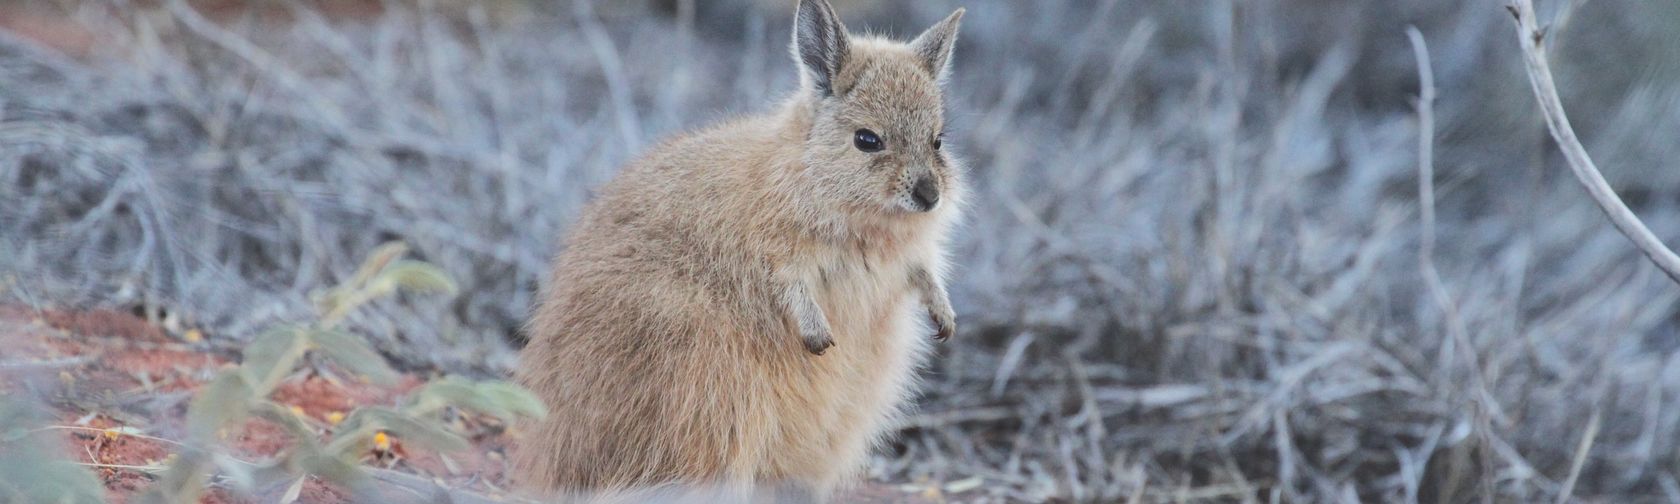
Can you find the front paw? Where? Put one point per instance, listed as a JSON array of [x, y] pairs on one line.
[[944, 322], [817, 342]]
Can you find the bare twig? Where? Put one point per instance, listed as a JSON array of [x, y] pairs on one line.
[[31, 365], [954, 417], [1532, 38], [1458, 335], [259, 60], [1426, 149], [97, 430], [393, 481], [1580, 458], [612, 69]]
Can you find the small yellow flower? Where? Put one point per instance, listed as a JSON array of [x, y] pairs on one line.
[[381, 441], [298, 411], [193, 336], [112, 434], [335, 417]]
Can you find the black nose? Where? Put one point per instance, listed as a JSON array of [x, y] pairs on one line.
[[926, 193]]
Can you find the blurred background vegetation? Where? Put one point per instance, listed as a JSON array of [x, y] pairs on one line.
[[1190, 270]]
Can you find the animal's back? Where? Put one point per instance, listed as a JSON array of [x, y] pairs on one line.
[[625, 341]]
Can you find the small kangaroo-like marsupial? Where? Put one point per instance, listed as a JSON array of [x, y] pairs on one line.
[[744, 307]]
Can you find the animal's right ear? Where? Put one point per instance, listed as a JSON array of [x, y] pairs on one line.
[[819, 44], [935, 44]]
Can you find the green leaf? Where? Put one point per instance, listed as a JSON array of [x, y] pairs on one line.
[[293, 490], [378, 259], [416, 276], [500, 399], [271, 356], [11, 493], [61, 481], [452, 391], [20, 420], [514, 398], [344, 474], [31, 470], [183, 482], [240, 474], [405, 427], [329, 301], [224, 401], [334, 304], [349, 351], [268, 473], [303, 437], [350, 444], [376, 263]]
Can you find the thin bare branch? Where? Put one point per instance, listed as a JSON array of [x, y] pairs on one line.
[[1458, 334], [1532, 38], [1580, 459]]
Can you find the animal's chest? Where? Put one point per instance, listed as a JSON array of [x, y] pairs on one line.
[[848, 394], [860, 295]]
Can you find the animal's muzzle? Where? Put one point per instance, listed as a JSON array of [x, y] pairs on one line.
[[925, 193]]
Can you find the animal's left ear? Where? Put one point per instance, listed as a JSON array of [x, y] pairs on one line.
[[935, 44], [820, 44]]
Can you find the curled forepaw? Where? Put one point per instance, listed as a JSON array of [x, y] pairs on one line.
[[817, 343], [944, 324]]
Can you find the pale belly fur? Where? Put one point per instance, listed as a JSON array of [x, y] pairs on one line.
[[830, 410]]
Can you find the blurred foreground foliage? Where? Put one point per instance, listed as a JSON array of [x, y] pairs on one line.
[[242, 392], [31, 468]]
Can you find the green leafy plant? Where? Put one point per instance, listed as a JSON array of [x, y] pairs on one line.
[[242, 392]]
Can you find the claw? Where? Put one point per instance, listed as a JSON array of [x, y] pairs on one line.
[[946, 327], [817, 345]]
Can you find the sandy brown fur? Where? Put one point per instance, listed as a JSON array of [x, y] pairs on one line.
[[684, 335]]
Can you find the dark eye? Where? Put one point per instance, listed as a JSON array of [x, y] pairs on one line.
[[868, 141], [938, 141]]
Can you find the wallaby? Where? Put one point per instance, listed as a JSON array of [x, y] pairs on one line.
[[745, 307]]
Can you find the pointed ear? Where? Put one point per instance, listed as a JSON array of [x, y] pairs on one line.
[[820, 45], [935, 44]]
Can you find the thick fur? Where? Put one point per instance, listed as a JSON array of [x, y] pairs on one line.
[[745, 307]]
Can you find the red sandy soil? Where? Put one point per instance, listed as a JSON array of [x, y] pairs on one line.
[[92, 364]]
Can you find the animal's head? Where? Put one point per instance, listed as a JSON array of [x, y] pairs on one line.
[[877, 112]]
